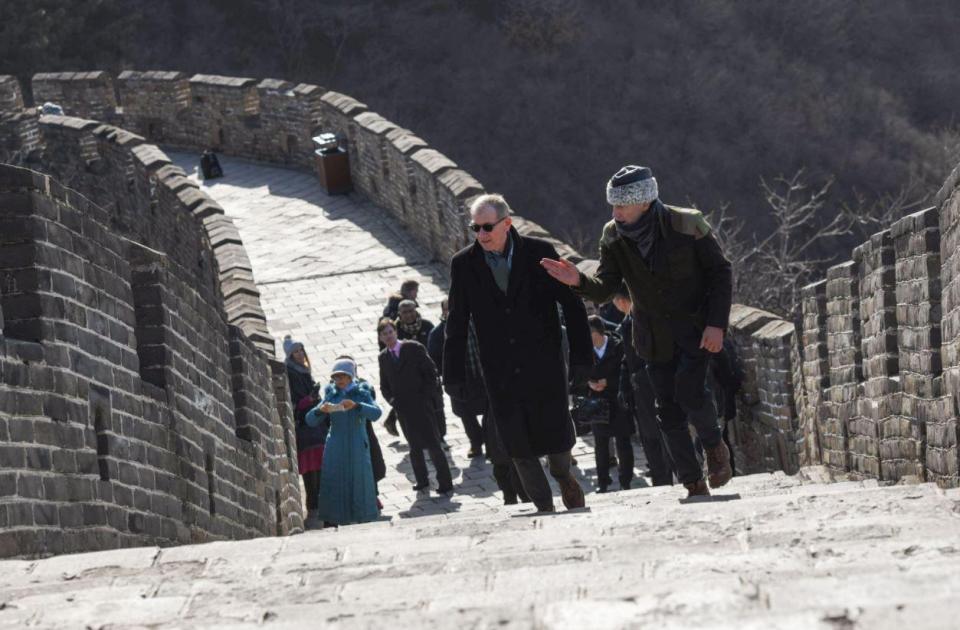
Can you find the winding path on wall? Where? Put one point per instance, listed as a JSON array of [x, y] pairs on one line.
[[324, 266]]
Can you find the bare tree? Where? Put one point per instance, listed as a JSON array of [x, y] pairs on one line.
[[776, 266], [878, 214], [289, 22]]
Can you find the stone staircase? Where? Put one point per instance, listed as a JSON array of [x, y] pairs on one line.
[[766, 551]]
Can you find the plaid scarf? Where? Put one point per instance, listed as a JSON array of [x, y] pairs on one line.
[[410, 331], [474, 370]]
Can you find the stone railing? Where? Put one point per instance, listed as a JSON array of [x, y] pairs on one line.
[[121, 422]]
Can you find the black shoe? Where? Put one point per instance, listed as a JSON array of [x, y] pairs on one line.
[[445, 490], [510, 500], [625, 484], [601, 489], [421, 486]]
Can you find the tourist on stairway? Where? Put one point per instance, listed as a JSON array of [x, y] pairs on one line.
[[310, 440], [347, 490], [603, 385], [377, 462], [499, 285], [475, 402], [408, 380], [636, 395], [681, 286], [411, 326], [408, 291]]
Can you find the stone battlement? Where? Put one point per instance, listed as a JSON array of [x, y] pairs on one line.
[[121, 423]]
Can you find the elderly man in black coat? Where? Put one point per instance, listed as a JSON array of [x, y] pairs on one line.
[[499, 284]]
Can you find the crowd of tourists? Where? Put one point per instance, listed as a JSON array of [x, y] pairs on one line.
[[530, 362]]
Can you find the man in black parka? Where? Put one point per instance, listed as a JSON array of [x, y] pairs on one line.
[[681, 287], [499, 284]]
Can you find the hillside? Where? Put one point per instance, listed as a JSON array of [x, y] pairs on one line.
[[543, 99]]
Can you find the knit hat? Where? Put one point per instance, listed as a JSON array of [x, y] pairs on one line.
[[344, 366], [632, 185], [290, 346]]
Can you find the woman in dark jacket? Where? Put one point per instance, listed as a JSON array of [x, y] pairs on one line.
[[309, 439], [604, 382]]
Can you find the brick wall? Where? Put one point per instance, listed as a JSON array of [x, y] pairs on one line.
[[120, 424]]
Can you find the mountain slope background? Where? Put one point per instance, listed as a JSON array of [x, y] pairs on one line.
[[544, 99]]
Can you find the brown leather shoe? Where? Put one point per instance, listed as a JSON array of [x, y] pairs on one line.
[[718, 465], [697, 489], [571, 493]]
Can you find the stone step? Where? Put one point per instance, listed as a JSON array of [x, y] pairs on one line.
[[785, 553]]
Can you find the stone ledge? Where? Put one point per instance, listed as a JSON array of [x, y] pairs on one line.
[[216, 80]]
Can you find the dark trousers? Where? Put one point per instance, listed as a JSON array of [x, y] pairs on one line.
[[601, 449], [682, 396], [474, 431], [661, 472], [439, 459], [504, 472], [311, 485], [508, 480], [534, 480]]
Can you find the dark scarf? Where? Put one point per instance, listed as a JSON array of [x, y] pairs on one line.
[[500, 264], [644, 230], [412, 331]]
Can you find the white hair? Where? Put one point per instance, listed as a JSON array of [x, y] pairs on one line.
[[493, 201]]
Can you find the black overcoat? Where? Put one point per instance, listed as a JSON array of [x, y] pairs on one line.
[[410, 386], [520, 344]]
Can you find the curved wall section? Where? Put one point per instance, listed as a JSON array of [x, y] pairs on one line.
[[138, 400]]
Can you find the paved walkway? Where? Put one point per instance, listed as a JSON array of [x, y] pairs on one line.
[[769, 553], [325, 266]]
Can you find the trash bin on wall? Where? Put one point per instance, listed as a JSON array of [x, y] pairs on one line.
[[333, 165]]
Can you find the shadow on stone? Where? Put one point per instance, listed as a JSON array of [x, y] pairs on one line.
[[713, 498]]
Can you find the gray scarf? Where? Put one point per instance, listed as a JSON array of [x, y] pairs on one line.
[[644, 230]]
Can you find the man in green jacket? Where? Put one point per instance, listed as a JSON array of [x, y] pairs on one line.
[[681, 287]]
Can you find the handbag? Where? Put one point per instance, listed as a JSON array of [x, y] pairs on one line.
[[587, 412]]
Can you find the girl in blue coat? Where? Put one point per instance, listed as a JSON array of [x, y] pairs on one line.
[[347, 490]]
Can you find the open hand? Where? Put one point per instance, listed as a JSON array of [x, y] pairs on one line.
[[712, 340], [326, 408], [562, 270]]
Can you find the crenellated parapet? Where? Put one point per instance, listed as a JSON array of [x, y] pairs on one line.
[[139, 401], [272, 120]]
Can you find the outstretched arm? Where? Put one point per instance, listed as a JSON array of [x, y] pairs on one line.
[[575, 318], [599, 287]]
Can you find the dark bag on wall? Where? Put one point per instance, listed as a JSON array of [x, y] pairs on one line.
[[210, 165]]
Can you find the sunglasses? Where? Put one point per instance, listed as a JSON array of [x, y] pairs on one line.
[[486, 227]]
